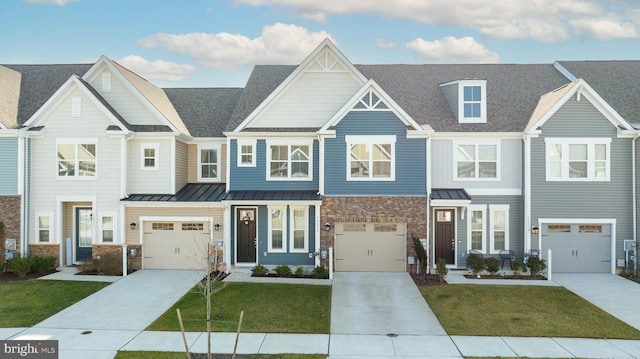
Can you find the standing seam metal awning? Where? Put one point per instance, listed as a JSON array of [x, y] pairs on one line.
[[452, 197]]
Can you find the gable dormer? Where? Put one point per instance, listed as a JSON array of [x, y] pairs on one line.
[[467, 99]]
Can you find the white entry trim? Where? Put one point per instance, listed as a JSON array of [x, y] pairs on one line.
[[611, 221]]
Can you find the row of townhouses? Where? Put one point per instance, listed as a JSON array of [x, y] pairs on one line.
[[327, 154]]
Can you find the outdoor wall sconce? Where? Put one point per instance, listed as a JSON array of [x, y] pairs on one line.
[[327, 226], [535, 230], [133, 225], [216, 227]]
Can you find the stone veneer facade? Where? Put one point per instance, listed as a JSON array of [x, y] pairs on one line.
[[10, 216], [411, 210]]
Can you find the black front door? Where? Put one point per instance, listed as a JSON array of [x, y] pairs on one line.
[[84, 233], [246, 232], [445, 235]]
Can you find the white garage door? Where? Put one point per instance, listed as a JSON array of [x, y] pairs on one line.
[[370, 247], [175, 245], [578, 248]]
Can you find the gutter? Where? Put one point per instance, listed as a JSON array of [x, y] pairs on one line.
[[634, 199], [527, 192]]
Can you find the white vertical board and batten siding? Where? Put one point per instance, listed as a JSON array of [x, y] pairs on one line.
[[310, 101], [583, 199], [127, 105], [443, 162], [150, 181], [46, 187]]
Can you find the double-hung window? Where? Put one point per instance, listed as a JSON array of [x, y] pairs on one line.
[[494, 223], [43, 230], [499, 228], [370, 158], [149, 156], [77, 158], [277, 233], [208, 163], [246, 153], [107, 228], [477, 161], [472, 101], [476, 233], [578, 159], [290, 161], [299, 223]]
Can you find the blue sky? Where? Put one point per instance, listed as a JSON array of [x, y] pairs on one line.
[[215, 43]]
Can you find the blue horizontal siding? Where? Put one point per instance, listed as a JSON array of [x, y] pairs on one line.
[[410, 157], [255, 178], [8, 166]]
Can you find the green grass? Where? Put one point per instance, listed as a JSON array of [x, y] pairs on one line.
[[26, 303], [268, 308], [176, 355], [521, 311]]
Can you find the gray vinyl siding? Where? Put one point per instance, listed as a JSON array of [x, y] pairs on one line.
[[255, 178], [516, 220], [450, 93], [8, 166], [581, 200], [410, 157], [443, 163]]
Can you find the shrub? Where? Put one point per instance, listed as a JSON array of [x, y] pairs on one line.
[[441, 268], [107, 264], [43, 265], [320, 273], [259, 271], [20, 266], [516, 266], [421, 254], [300, 272], [475, 262], [282, 270], [535, 265], [492, 265]]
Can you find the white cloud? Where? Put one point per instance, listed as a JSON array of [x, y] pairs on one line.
[[278, 44], [384, 44], [51, 2], [541, 20], [453, 50], [157, 70]]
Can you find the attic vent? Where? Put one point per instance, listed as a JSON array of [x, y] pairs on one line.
[[106, 82], [370, 101]]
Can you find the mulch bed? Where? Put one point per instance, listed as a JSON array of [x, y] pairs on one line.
[[11, 277], [497, 276], [423, 280]]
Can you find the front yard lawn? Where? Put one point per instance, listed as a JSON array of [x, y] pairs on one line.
[[268, 308], [26, 303], [521, 311]]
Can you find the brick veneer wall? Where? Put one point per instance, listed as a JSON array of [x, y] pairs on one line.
[[45, 250], [10, 216], [410, 210]]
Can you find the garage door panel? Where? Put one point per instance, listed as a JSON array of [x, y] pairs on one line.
[[578, 248], [175, 245], [370, 247]]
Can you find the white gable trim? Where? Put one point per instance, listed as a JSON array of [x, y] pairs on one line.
[[582, 89], [372, 86], [72, 83], [281, 89], [95, 71], [563, 70]]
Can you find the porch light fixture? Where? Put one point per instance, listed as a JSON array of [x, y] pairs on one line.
[[133, 225], [327, 226], [216, 227], [535, 230]]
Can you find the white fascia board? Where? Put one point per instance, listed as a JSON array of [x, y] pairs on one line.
[[217, 140], [142, 204], [563, 70], [273, 203], [295, 74], [449, 203], [458, 135], [136, 93], [10, 133], [270, 135]]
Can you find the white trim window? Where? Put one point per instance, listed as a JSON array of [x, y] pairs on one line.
[[107, 228], [371, 158], [289, 161], [149, 156], [499, 230], [578, 159], [477, 161], [208, 163], [299, 229], [44, 228], [77, 158], [246, 153], [476, 229], [277, 232], [472, 101]]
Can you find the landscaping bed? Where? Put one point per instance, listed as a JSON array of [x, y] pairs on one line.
[[511, 276]]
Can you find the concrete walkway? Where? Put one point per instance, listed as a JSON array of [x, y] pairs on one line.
[[114, 319]]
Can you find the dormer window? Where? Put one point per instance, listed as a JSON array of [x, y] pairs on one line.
[[472, 101]]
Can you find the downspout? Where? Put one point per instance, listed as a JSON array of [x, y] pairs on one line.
[[428, 177], [634, 199], [527, 192], [23, 189]]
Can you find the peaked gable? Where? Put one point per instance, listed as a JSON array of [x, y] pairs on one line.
[[313, 92], [551, 102], [152, 98]]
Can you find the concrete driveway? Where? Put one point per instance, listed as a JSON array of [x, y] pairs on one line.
[[380, 304], [613, 294]]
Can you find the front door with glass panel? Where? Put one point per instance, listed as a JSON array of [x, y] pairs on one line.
[[84, 233], [246, 232], [445, 235]]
